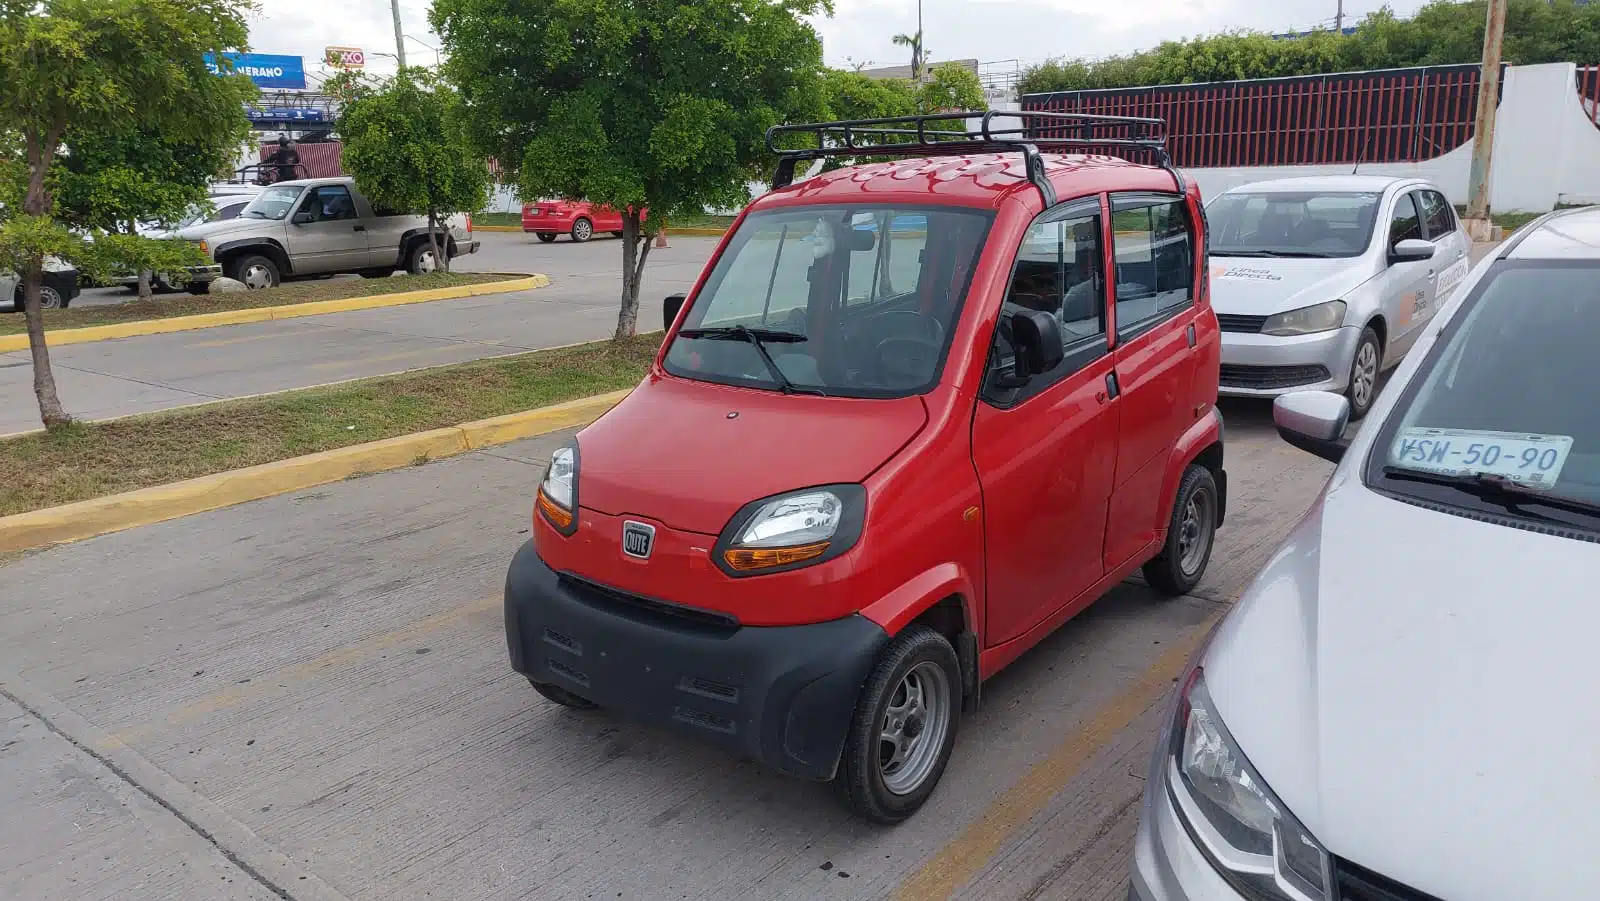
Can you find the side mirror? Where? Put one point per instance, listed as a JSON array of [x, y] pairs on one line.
[[1313, 421], [670, 308], [1037, 339], [1411, 250], [304, 217]]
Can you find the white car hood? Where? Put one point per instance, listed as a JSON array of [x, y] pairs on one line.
[[1420, 689], [1250, 286]]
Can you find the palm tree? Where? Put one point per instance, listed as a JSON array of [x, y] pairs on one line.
[[914, 41]]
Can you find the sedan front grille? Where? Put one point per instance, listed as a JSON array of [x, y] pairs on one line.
[[1244, 324], [1353, 883], [1265, 378]]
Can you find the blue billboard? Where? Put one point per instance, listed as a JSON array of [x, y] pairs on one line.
[[266, 70]]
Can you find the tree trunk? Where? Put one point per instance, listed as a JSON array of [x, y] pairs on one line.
[[635, 251], [44, 379], [439, 254], [145, 292]]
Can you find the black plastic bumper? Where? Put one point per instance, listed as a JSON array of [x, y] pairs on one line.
[[780, 695]]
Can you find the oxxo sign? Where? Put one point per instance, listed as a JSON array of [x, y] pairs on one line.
[[346, 57]]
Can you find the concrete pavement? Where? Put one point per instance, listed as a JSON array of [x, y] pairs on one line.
[[328, 670]]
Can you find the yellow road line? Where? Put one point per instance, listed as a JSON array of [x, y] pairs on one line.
[[964, 857], [279, 679]]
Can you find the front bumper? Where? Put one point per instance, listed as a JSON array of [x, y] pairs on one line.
[[780, 695], [1256, 365]]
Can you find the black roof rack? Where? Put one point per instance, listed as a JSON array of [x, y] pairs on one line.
[[949, 134]]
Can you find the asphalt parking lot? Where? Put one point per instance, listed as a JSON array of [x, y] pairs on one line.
[[308, 697]]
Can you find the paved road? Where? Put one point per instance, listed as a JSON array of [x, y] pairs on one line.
[[138, 375], [325, 675]]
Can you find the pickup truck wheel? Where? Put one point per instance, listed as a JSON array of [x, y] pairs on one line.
[[903, 729], [198, 288], [561, 696], [582, 230], [256, 272], [376, 273], [422, 259], [1191, 535], [547, 237]]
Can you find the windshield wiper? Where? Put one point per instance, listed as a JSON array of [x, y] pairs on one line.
[[757, 337], [1496, 489], [1277, 254]]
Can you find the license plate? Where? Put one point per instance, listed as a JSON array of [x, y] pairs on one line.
[[1533, 461]]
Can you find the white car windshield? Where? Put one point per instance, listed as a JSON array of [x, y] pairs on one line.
[[273, 203], [1503, 412], [1292, 224]]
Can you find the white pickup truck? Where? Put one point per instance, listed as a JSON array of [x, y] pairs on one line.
[[319, 227]]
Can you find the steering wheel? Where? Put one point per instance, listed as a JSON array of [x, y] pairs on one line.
[[907, 359]]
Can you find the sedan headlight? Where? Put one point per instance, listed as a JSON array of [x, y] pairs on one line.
[[558, 492], [1251, 838], [801, 528], [1323, 317]]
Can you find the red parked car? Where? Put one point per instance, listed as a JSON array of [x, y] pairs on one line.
[[915, 415], [578, 218]]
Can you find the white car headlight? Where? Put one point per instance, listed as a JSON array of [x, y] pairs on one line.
[[559, 489], [790, 530], [1323, 317], [1236, 820]]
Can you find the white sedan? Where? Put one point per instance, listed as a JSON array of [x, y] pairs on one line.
[[1322, 283]]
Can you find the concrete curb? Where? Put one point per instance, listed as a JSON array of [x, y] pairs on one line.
[[87, 334], [497, 228], [159, 503]]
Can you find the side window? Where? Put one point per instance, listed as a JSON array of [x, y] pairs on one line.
[[229, 211], [1060, 270], [892, 267], [330, 203], [1407, 221], [1441, 218], [1155, 259]]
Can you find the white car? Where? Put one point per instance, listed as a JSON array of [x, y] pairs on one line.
[[1401, 706], [1322, 283]]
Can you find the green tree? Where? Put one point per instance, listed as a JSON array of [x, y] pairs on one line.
[[120, 65], [657, 106], [405, 145], [918, 52], [952, 87]]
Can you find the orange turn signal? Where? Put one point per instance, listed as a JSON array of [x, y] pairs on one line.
[[559, 516], [753, 559]]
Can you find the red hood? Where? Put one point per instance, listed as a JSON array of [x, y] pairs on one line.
[[673, 452]]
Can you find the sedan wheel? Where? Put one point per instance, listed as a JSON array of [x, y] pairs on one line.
[[582, 230], [1364, 373]]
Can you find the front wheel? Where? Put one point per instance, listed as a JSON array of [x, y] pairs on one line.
[[1191, 534], [903, 729], [1364, 371], [256, 272], [582, 230]]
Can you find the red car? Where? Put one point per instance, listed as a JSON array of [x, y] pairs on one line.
[[914, 416], [578, 218]]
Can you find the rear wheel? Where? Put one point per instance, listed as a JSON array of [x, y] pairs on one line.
[[561, 696], [256, 272], [422, 259], [582, 230], [903, 729], [376, 273], [547, 237], [1191, 534], [1364, 371]]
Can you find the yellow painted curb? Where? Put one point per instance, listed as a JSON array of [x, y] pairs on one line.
[[497, 228], [696, 232], [265, 314], [159, 503]]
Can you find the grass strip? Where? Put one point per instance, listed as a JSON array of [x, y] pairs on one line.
[[88, 460], [167, 306]]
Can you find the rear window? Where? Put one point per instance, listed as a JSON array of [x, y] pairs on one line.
[[854, 301], [1507, 396], [1292, 224]]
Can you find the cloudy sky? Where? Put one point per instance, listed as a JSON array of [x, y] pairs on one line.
[[860, 30]]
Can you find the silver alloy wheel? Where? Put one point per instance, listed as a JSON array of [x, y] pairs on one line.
[[582, 230], [1364, 375], [256, 277], [49, 298], [1195, 533], [915, 725], [427, 262]]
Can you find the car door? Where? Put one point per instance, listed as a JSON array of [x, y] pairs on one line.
[[325, 232], [1407, 286], [1045, 451], [1155, 358], [1451, 259]]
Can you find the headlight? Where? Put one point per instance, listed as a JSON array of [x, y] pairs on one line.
[[1251, 838], [797, 529], [558, 493], [1307, 320]]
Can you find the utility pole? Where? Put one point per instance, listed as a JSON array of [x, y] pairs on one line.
[[1479, 226], [1338, 19], [399, 36]]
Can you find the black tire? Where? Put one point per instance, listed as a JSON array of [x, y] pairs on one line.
[[198, 289], [582, 230], [1366, 369], [421, 252], [860, 782], [1183, 559], [245, 268], [559, 695], [547, 237], [376, 273]]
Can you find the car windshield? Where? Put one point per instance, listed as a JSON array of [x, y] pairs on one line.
[[1298, 224], [1503, 413], [853, 301], [273, 203]]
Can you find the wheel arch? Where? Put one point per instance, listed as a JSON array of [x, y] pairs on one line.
[[272, 250], [941, 598]]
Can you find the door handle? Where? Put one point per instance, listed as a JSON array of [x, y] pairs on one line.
[[1112, 389], [1191, 335]]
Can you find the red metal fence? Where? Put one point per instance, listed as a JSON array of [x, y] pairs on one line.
[[1589, 92], [1391, 116]]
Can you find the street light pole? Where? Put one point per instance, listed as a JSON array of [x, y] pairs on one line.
[[399, 36], [1339, 18], [1478, 223]]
